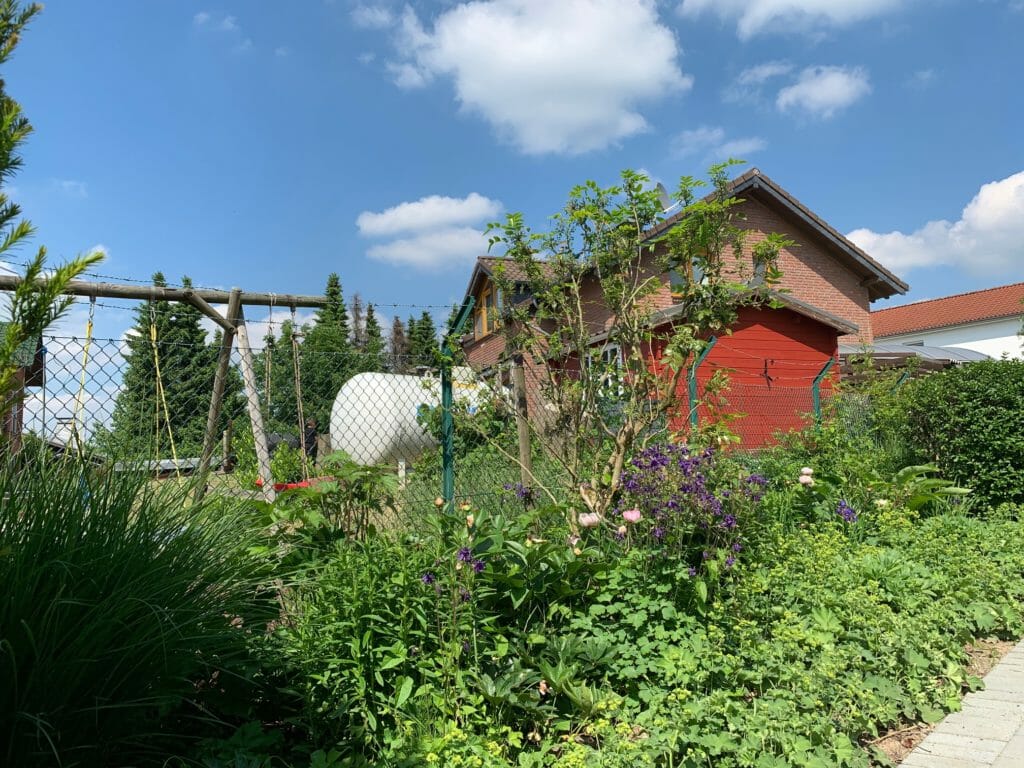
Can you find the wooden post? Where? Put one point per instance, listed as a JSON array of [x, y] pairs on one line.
[[217, 399], [522, 420], [252, 399]]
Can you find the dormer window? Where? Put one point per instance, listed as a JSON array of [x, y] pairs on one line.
[[487, 315]]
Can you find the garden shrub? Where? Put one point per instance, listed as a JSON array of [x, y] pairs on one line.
[[120, 605], [970, 421]]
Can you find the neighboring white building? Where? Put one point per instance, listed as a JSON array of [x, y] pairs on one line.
[[986, 321]]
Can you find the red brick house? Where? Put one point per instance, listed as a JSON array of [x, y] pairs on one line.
[[773, 355]]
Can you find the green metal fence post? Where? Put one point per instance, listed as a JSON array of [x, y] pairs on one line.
[[816, 388], [692, 380], [448, 350]]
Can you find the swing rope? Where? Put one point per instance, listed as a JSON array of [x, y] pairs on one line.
[[297, 365], [161, 397], [80, 397], [267, 366]]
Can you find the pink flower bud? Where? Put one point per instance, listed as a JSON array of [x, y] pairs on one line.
[[632, 515]]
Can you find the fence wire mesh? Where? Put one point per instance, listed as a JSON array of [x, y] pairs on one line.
[[146, 401], [140, 402]]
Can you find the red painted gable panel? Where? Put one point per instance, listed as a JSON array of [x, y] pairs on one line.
[[771, 359]]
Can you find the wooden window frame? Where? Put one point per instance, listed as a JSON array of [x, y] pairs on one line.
[[483, 324]]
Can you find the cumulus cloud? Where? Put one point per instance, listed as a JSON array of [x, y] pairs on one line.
[[985, 239], [712, 144], [749, 84], [201, 18], [431, 212], [445, 248], [372, 17], [429, 233], [823, 91], [550, 77], [753, 17]]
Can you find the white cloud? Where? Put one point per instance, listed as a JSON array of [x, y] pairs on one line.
[[437, 232], [823, 91], [282, 51], [760, 73], [454, 247], [229, 26], [748, 85], [921, 79], [72, 187], [567, 76], [985, 239], [711, 144], [433, 212], [372, 17], [753, 17]]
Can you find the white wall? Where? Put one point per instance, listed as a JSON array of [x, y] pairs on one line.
[[993, 338]]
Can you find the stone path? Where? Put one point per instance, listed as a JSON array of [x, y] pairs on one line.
[[988, 732]]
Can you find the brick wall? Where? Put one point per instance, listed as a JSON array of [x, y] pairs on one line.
[[808, 270]]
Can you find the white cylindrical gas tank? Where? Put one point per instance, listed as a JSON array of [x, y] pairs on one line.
[[374, 417]]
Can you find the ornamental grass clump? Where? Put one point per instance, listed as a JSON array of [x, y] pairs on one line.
[[122, 617]]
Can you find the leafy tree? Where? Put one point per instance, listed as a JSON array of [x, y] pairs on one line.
[[32, 306], [169, 335], [602, 235], [328, 360]]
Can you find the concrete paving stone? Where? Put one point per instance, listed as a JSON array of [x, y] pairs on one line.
[[998, 727], [989, 694], [1001, 680], [962, 747], [918, 759]]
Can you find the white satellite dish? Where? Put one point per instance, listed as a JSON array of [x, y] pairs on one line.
[[663, 197]]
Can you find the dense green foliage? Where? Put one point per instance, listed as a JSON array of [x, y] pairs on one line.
[[119, 606], [146, 419], [970, 421]]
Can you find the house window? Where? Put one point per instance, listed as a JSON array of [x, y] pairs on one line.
[[609, 358], [487, 315], [678, 280]]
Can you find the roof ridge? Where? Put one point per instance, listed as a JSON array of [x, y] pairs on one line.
[[944, 298]]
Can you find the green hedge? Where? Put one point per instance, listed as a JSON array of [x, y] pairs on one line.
[[970, 420]]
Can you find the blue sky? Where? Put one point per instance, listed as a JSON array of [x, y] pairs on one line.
[[265, 144]]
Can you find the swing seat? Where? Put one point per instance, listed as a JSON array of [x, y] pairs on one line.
[[313, 481]]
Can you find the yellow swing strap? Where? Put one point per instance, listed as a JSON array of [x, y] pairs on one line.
[[296, 349], [80, 397], [161, 396]]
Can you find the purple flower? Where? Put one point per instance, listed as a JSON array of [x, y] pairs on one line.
[[705, 555], [845, 511], [464, 595], [428, 578], [737, 547], [692, 571], [478, 566], [730, 561], [465, 555], [658, 533]]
